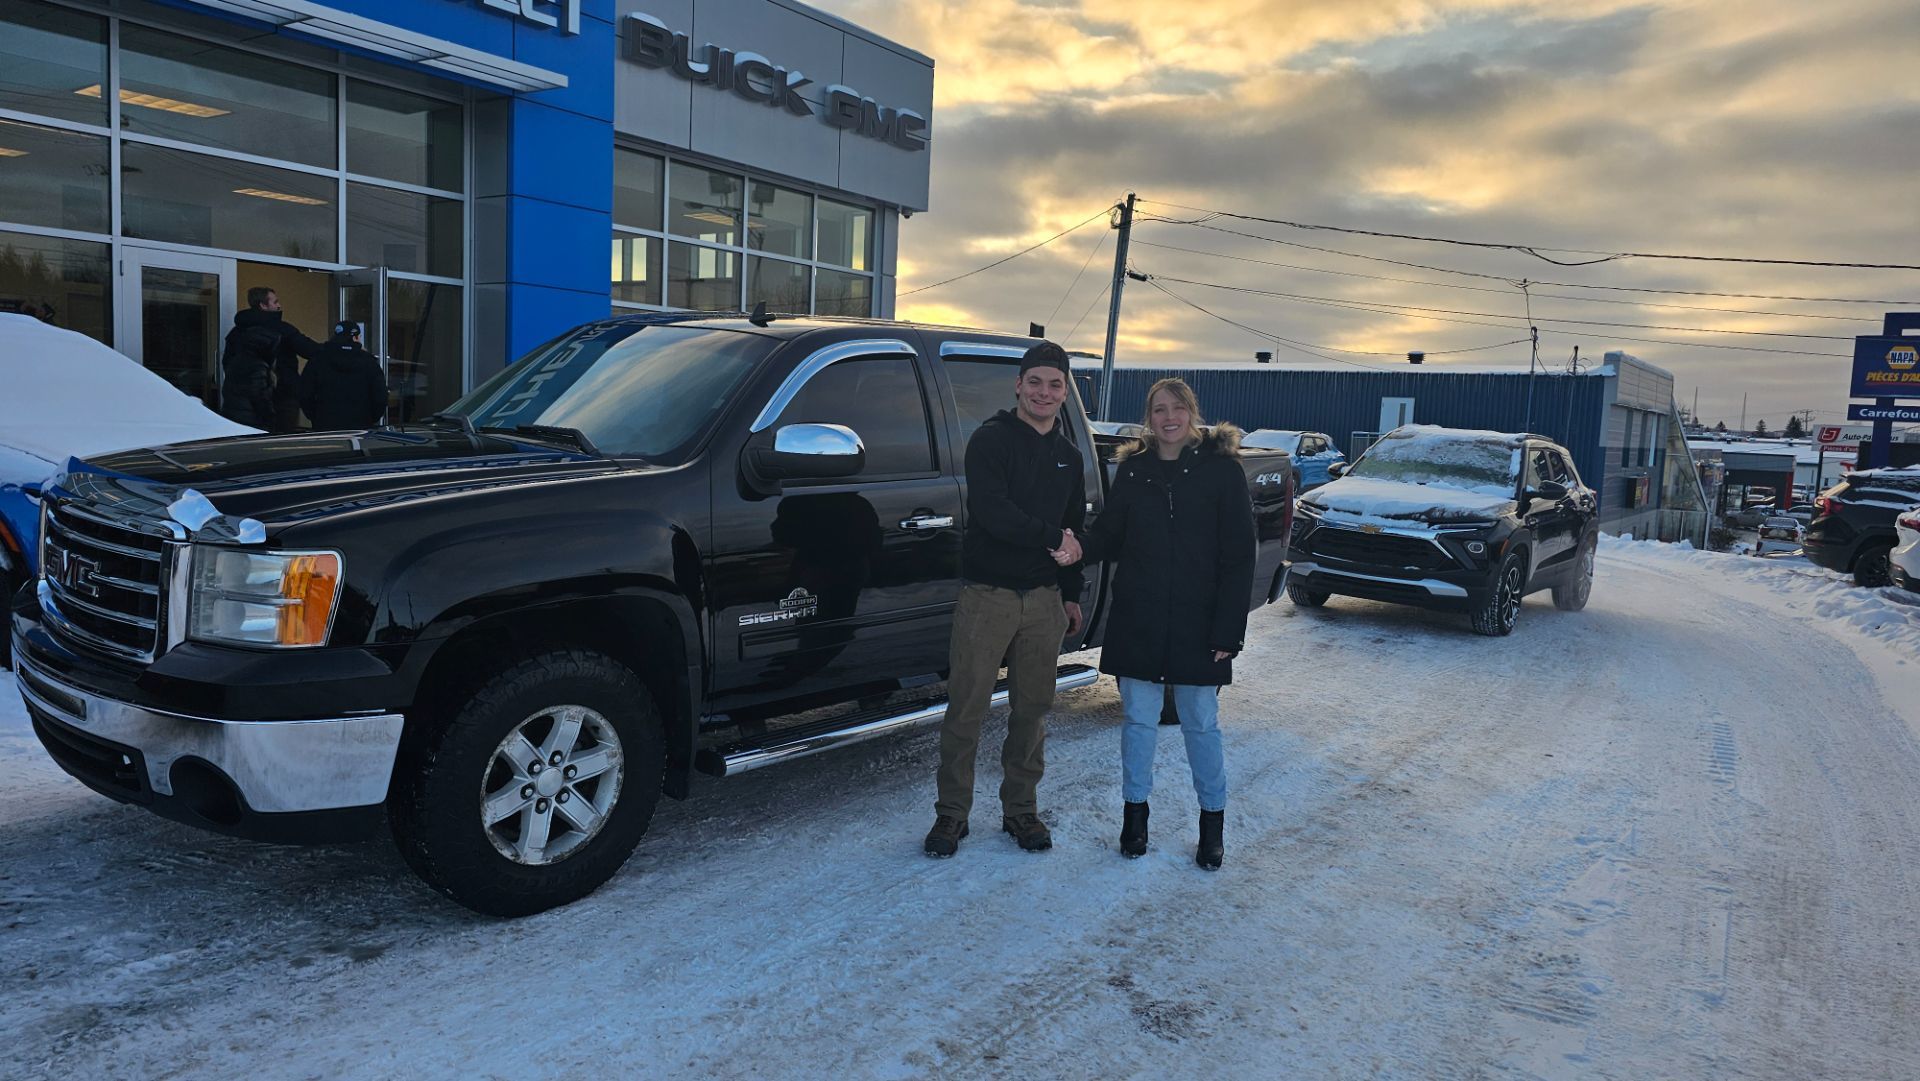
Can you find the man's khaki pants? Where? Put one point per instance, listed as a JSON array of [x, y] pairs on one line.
[[1025, 628]]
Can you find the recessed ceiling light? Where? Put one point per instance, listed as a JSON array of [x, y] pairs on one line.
[[280, 196], [155, 101]]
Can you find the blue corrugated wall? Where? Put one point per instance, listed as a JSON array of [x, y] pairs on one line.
[[1570, 410]]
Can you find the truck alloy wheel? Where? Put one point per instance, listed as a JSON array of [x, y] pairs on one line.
[[534, 787], [552, 784]]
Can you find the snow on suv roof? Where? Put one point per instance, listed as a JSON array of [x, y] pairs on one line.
[[1428, 431]]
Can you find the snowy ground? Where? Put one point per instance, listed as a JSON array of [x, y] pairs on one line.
[[1676, 835]]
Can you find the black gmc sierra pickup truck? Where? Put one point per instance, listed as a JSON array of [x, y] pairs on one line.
[[642, 550]]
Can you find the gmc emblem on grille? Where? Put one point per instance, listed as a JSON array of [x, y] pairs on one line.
[[77, 575]]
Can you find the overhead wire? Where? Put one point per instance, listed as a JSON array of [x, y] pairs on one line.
[[1104, 211], [1097, 245]]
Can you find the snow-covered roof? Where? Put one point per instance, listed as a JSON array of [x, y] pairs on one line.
[[68, 395], [1804, 455]]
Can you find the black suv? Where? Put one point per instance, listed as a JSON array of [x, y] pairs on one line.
[[1853, 530], [1445, 518]]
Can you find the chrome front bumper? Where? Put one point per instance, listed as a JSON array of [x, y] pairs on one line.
[[278, 766], [1432, 585]]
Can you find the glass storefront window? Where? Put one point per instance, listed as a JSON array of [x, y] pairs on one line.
[[636, 189], [781, 284], [47, 53], [702, 279], [53, 178], [636, 269], [704, 204], [780, 221], [188, 90], [846, 235], [399, 230], [837, 293], [63, 282], [395, 135], [424, 370], [211, 202]]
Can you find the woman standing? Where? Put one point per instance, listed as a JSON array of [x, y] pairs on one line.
[[1179, 528]]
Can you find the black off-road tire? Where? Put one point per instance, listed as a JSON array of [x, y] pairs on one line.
[[1573, 596], [1874, 566], [1497, 615], [442, 772], [1304, 597]]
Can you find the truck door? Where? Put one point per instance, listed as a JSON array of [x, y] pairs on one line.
[[838, 582]]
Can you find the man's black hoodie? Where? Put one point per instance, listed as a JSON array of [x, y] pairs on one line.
[[343, 387], [1022, 487], [260, 364]]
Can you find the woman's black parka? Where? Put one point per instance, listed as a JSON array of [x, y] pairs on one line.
[[1182, 539]]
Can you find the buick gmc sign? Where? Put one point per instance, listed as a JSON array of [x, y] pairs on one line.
[[650, 43]]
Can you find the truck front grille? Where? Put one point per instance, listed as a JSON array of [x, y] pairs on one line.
[[105, 579]]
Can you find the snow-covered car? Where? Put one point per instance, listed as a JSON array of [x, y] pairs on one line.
[[1903, 564], [1779, 533], [1453, 519], [68, 396], [1314, 454]]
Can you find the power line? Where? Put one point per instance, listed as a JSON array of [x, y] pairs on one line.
[[1257, 332], [1144, 217], [997, 262], [1492, 289], [1097, 245], [1535, 250], [1102, 295]]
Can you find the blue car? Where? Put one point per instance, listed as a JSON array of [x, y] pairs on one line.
[[1313, 453], [68, 396]]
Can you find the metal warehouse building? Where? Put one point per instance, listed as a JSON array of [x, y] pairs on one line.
[[1619, 419]]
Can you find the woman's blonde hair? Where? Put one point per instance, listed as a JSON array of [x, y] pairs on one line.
[[1183, 394]]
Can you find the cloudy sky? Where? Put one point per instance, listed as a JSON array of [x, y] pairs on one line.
[[1772, 129]]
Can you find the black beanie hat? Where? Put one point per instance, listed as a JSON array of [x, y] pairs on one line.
[[1046, 355]]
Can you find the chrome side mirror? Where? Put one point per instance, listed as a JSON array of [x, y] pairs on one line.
[[810, 452]]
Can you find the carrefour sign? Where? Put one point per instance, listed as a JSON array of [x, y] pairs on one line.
[[650, 43], [1886, 367]]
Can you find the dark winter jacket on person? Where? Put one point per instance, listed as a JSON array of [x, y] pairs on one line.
[[1182, 537], [1022, 487], [343, 387], [261, 348]]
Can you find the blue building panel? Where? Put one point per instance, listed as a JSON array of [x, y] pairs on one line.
[[538, 313], [561, 157], [560, 246], [587, 60]]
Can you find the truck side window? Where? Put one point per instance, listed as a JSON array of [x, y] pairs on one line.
[[880, 399], [983, 386]]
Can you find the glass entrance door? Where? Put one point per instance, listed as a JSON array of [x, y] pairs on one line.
[[176, 321], [363, 299]]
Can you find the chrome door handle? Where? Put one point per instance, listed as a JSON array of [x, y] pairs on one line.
[[927, 523]]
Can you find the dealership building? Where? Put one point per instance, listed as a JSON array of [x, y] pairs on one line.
[[467, 178]]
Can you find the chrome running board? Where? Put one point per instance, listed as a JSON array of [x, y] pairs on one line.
[[804, 740]]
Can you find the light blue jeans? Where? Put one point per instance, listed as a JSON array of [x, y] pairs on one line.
[[1199, 723]]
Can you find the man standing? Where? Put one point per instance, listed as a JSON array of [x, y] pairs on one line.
[[344, 387], [1025, 496], [259, 367]]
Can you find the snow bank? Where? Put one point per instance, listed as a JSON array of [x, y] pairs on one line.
[[69, 395]]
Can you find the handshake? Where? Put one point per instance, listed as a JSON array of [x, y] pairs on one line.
[[1069, 551]]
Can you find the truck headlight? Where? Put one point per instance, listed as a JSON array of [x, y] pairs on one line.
[[262, 598]]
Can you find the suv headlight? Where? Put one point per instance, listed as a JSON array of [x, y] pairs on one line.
[[282, 599]]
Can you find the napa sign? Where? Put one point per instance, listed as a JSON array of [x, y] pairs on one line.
[[1885, 367]]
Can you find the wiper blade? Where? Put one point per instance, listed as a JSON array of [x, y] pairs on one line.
[[552, 431], [464, 422]]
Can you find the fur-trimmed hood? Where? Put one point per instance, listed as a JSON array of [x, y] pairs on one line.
[[1221, 440]]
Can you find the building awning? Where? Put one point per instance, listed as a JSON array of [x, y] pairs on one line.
[[318, 20]]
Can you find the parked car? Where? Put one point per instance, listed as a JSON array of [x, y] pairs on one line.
[[1314, 453], [1447, 518], [69, 396], [1758, 495], [1853, 527], [507, 629], [1800, 512], [1779, 533], [1751, 517], [1903, 562]]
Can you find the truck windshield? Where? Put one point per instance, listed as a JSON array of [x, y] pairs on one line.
[[635, 389], [1476, 463]]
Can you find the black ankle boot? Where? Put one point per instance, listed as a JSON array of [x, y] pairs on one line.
[[1212, 848], [1133, 831]]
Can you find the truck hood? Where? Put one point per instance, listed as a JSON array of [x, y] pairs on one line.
[[280, 480], [1366, 497]]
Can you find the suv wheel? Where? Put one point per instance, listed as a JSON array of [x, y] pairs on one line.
[[1573, 596], [1874, 567], [1304, 597], [536, 790], [1497, 614]]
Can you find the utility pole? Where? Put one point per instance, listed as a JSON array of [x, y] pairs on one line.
[[1743, 411], [1533, 358], [1113, 308]]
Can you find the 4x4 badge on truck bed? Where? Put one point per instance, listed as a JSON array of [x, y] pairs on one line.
[[795, 605]]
